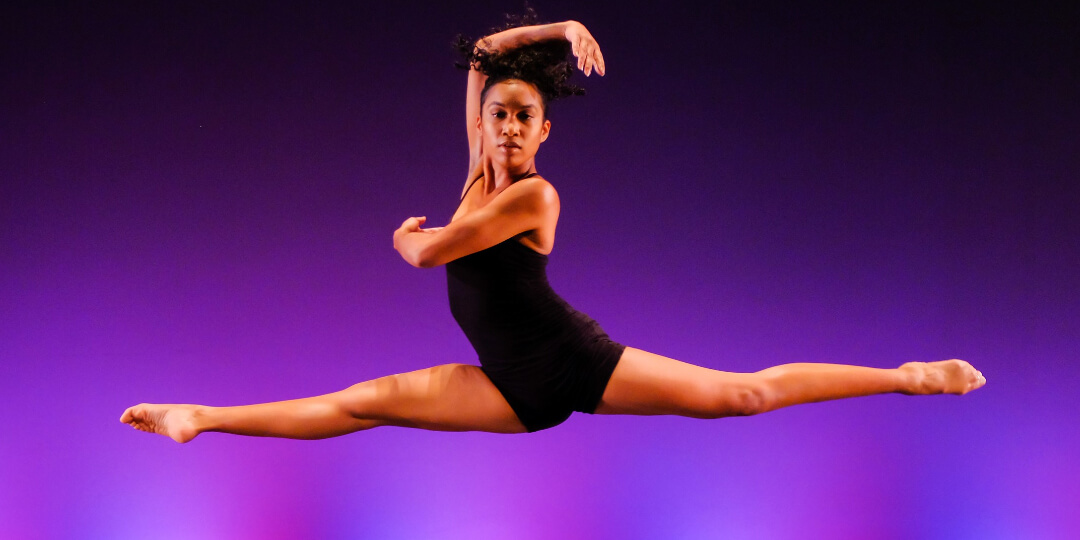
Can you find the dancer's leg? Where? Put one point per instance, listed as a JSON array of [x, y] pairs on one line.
[[452, 397], [647, 384]]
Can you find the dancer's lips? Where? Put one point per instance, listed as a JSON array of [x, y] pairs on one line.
[[510, 144]]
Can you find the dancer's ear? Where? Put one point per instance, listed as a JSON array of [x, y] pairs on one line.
[[545, 130], [477, 142]]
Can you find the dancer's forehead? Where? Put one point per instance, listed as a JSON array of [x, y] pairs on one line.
[[514, 93]]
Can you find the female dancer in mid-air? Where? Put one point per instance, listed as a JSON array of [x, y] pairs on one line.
[[540, 359]]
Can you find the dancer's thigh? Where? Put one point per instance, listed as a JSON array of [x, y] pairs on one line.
[[450, 397], [644, 383]]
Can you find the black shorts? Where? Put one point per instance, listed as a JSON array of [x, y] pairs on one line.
[[545, 392]]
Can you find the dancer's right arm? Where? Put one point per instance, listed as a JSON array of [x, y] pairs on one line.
[[582, 44]]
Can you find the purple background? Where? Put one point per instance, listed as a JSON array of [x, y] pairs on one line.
[[197, 203]]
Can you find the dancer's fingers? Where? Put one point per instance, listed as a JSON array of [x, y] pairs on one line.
[[413, 223], [594, 60]]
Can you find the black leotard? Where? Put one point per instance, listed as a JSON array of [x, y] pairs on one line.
[[546, 358]]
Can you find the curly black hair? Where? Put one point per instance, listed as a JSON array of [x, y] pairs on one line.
[[547, 65]]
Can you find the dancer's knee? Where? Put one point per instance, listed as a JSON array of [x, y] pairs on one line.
[[754, 399], [744, 399], [360, 400]]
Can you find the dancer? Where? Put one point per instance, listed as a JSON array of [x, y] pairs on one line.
[[540, 360]]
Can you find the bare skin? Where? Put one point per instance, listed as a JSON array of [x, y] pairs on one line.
[[451, 397], [505, 133], [648, 384], [457, 397], [171, 420]]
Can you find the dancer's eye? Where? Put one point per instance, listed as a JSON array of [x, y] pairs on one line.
[[499, 114], [524, 116]]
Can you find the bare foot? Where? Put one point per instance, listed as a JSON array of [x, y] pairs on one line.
[[944, 377], [175, 421]]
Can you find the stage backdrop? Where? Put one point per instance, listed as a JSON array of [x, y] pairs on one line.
[[197, 201]]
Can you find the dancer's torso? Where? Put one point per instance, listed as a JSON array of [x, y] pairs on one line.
[[501, 298]]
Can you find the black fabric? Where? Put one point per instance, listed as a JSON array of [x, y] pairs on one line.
[[546, 358]]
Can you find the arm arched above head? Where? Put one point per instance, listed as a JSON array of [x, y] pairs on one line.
[[503, 41], [526, 205]]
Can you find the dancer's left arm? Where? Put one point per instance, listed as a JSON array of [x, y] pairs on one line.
[[525, 206]]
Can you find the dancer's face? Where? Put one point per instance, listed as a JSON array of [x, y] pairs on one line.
[[512, 124]]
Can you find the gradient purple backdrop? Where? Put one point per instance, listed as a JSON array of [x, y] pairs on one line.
[[197, 203]]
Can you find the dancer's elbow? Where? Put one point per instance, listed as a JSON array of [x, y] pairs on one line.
[[424, 256], [414, 259], [424, 261], [408, 254], [415, 249]]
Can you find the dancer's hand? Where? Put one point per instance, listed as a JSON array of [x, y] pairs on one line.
[[408, 226], [412, 225], [585, 48]]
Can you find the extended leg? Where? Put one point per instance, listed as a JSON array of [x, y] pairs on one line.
[[647, 384], [452, 397]]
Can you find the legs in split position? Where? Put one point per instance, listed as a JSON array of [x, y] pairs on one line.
[[457, 397]]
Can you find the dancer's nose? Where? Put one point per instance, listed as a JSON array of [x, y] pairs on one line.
[[512, 128]]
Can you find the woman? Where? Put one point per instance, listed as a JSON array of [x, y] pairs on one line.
[[541, 360]]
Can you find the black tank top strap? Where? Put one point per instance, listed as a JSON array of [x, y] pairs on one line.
[[466, 192]]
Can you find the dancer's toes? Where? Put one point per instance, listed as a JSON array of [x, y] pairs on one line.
[[174, 421], [944, 377], [961, 377]]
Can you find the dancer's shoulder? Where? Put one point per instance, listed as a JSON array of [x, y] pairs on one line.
[[536, 188]]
